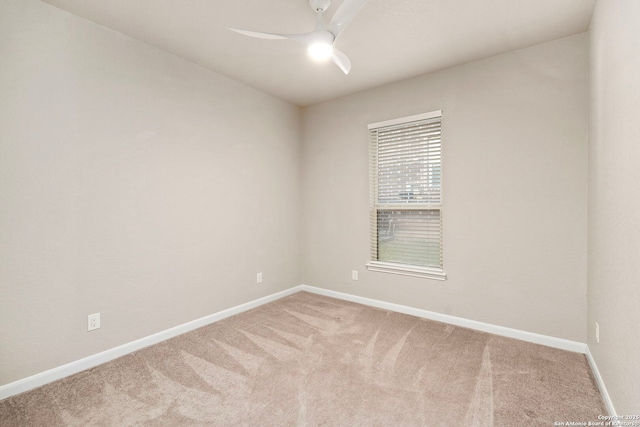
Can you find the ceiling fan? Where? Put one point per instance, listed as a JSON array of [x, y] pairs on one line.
[[320, 41]]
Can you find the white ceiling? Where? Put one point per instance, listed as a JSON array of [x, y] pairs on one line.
[[386, 42]]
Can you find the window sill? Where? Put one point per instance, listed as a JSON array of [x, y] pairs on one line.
[[407, 270]]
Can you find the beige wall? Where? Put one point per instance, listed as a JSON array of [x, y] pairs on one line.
[[133, 184], [614, 200], [515, 189]]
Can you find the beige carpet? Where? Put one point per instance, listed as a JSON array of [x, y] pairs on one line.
[[309, 360]]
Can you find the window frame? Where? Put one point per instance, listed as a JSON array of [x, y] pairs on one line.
[[375, 206]]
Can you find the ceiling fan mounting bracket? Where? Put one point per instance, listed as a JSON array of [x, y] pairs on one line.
[[319, 5]]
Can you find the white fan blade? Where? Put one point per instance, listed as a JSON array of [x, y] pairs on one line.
[[341, 60], [303, 38], [259, 35], [345, 13]]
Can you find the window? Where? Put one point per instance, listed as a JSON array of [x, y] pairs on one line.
[[406, 196]]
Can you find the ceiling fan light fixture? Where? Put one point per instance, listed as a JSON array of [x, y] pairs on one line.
[[320, 51], [320, 41]]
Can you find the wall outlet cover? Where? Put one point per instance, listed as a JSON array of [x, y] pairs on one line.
[[93, 321]]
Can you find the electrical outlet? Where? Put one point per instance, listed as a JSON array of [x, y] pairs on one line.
[[93, 321], [354, 274], [259, 278], [597, 333]]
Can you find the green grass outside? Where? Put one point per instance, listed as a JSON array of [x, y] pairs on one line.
[[424, 253]]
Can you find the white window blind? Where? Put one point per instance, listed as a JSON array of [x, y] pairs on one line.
[[406, 195]]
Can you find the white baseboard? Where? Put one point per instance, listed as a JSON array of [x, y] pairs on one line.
[[60, 372], [546, 340], [601, 386], [63, 371]]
